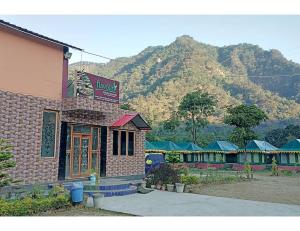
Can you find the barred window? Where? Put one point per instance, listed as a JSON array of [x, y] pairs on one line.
[[49, 134]]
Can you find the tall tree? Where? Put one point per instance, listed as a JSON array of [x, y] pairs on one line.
[[194, 108], [6, 162], [244, 117]]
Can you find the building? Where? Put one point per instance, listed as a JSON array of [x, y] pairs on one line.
[[55, 134], [221, 154], [289, 154]]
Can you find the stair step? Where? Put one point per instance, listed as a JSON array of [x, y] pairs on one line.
[[107, 187], [118, 192]]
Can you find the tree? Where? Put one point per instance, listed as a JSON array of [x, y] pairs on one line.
[[195, 107], [244, 117], [126, 106], [172, 123], [278, 137], [6, 162]]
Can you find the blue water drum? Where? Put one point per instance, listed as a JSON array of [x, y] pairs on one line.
[[77, 192]]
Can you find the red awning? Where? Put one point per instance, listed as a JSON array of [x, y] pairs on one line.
[[136, 119]]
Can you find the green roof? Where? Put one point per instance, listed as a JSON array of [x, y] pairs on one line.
[[260, 145], [221, 146], [189, 146], [149, 146], [293, 145], [166, 146]]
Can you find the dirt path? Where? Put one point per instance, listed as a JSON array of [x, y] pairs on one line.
[[281, 189]]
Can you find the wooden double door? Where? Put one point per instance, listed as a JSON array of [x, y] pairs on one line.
[[81, 155]]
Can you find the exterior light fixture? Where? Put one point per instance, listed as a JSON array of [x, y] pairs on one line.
[[68, 55]]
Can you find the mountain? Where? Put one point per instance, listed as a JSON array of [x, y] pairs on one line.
[[155, 80]]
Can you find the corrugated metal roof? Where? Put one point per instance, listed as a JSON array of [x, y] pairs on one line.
[[221, 145], [293, 145], [260, 145], [34, 34], [135, 118]]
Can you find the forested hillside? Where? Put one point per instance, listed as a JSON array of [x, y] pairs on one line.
[[155, 80]]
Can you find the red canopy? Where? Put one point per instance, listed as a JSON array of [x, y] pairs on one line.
[[135, 118]]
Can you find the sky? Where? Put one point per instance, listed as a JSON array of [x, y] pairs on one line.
[[122, 36]]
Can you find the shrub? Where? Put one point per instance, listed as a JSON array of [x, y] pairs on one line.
[[188, 180], [248, 170], [275, 171], [286, 172], [165, 174], [184, 171], [173, 158], [29, 206], [6, 162]]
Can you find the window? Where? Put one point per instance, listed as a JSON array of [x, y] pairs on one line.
[[115, 142], [95, 139], [130, 143], [49, 134], [123, 143]]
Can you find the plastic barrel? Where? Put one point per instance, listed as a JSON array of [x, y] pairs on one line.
[[77, 192]]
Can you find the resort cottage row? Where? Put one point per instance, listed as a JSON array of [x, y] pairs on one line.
[[218, 154]]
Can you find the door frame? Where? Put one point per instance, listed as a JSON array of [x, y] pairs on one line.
[[81, 136]]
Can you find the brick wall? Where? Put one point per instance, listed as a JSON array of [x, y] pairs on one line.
[[21, 119], [118, 165]]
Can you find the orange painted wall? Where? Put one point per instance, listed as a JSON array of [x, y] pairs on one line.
[[30, 66]]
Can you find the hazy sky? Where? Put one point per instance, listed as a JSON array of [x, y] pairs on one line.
[[116, 36]]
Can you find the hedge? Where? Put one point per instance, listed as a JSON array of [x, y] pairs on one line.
[[29, 206]]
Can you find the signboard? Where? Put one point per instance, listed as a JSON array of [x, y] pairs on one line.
[[98, 88]]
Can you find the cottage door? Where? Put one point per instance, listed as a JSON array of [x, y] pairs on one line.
[[81, 155]]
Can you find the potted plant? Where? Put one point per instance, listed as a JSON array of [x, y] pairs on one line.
[[179, 186], [170, 187]]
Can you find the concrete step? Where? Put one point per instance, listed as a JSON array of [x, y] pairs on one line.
[[113, 192]]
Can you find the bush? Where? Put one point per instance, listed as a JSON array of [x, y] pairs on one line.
[[35, 203], [30, 206], [165, 174], [188, 180], [286, 172]]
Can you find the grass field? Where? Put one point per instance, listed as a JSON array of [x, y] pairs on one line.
[[264, 187]]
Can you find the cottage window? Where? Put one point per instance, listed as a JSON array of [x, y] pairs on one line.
[[123, 143], [130, 143], [115, 142], [49, 131]]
